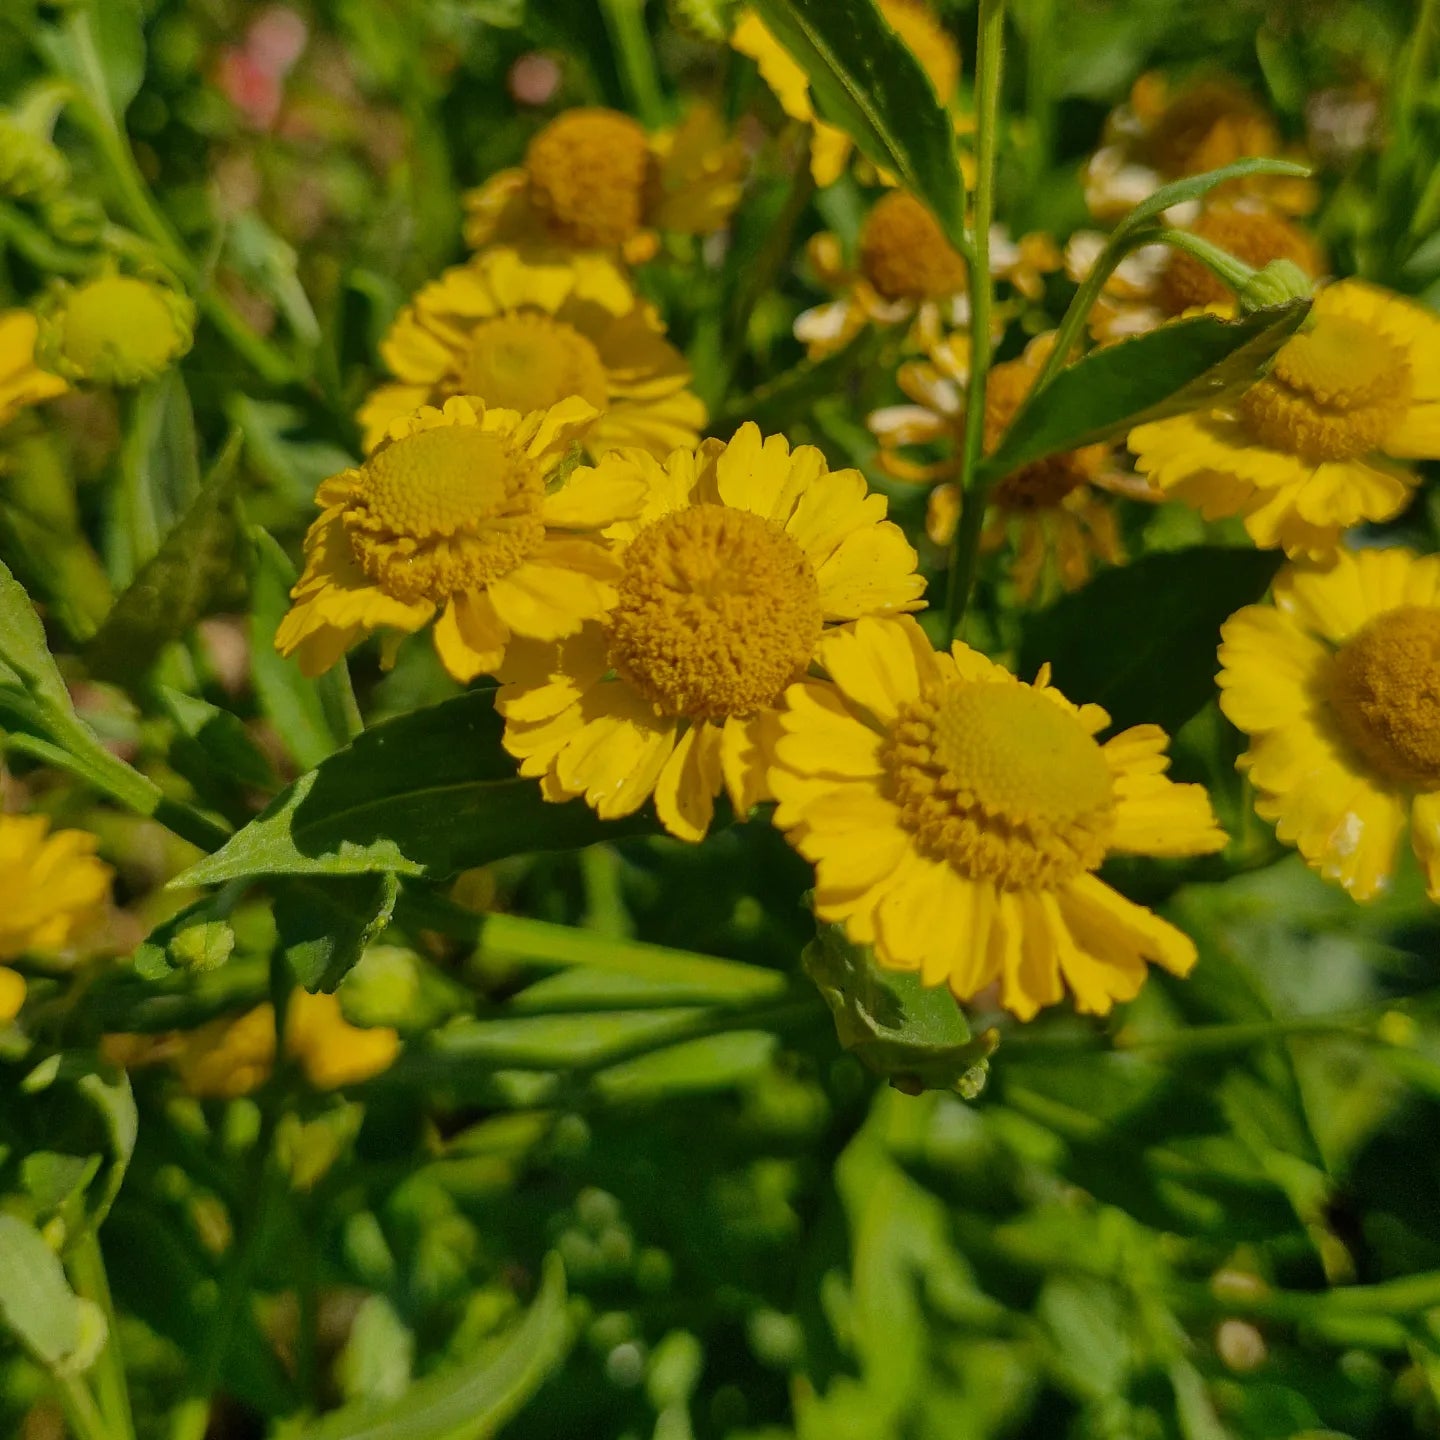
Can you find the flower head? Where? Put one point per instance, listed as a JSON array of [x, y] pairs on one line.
[[1338, 686], [1162, 135], [524, 337], [830, 147], [22, 382], [452, 517], [1310, 449], [1049, 508], [595, 181], [115, 329], [52, 889], [742, 556], [956, 817]]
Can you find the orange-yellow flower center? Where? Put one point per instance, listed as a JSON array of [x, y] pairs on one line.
[[931, 44], [1045, 483], [904, 254], [1001, 782], [1334, 393], [443, 511], [1252, 234], [588, 170], [1384, 692], [1213, 123], [528, 361], [719, 610]]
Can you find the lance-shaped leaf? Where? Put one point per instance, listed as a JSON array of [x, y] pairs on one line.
[[866, 80], [427, 794], [1186, 365]]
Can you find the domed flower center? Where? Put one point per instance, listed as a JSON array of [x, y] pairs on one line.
[[1002, 783], [120, 326], [1334, 392], [904, 254], [1045, 483], [719, 611], [1209, 125], [1384, 692], [528, 361], [930, 43], [1255, 236], [444, 510], [588, 170]]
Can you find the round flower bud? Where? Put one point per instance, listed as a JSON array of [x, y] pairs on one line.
[[115, 329]]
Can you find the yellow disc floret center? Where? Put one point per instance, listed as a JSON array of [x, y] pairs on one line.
[[905, 255], [1384, 693], [719, 610], [1334, 393], [588, 170], [528, 361], [445, 510], [1042, 484], [118, 324], [1003, 783]]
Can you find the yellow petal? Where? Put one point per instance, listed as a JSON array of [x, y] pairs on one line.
[[1425, 837], [871, 572], [878, 664], [470, 637], [686, 790], [1268, 666], [546, 602]]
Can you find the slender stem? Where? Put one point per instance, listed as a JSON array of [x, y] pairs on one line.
[[81, 1412], [989, 59], [137, 536], [1226, 267], [635, 57], [1417, 54], [87, 1268]]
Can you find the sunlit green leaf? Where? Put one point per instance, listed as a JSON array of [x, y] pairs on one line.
[[37, 1305]]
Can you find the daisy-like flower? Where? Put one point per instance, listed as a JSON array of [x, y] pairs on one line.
[[52, 889], [1311, 449], [742, 556], [524, 337], [1160, 135], [1158, 283], [830, 147], [594, 180], [956, 817], [451, 519], [1338, 685], [22, 382], [1047, 510], [115, 329]]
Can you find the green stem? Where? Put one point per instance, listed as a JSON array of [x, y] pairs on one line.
[[635, 58], [1221, 263], [1412, 78], [989, 59], [81, 1412], [139, 529], [87, 1268]]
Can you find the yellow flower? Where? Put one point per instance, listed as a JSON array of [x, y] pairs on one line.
[[22, 382], [1159, 136], [52, 889], [956, 817], [524, 337], [1338, 686], [830, 147], [1158, 283], [1302, 454], [741, 557], [452, 516], [115, 329], [331, 1051], [594, 180], [1049, 509]]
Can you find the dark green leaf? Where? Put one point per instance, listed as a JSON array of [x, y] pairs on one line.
[[426, 794], [1183, 366], [325, 924], [1140, 640], [198, 568], [25, 659], [314, 717], [475, 1399], [219, 738], [866, 80], [915, 1036], [115, 1102]]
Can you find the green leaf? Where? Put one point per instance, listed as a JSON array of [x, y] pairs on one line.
[[36, 1303], [25, 659], [912, 1035], [115, 1102], [426, 794], [866, 80], [1182, 366], [1140, 640], [218, 739], [474, 1400], [193, 573], [315, 718], [325, 924]]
